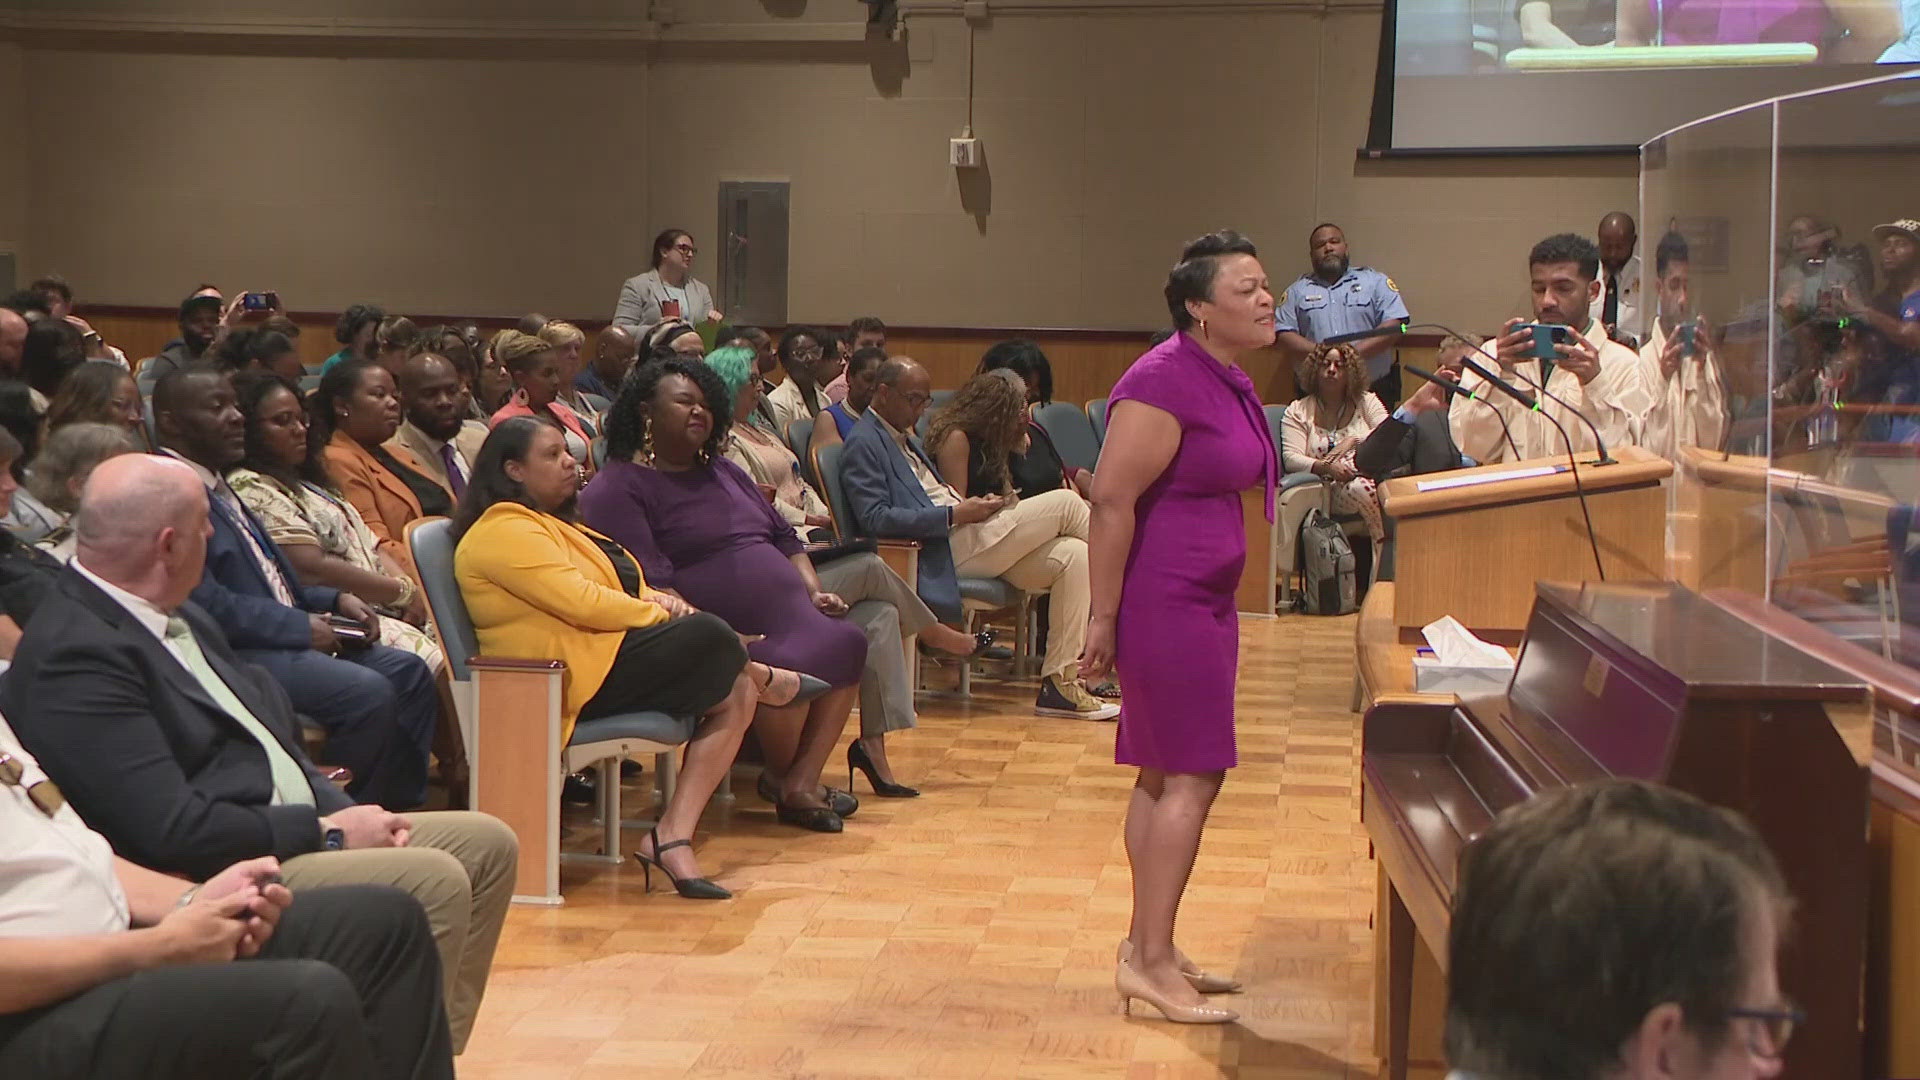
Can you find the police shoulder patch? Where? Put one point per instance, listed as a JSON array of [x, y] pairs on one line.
[[1391, 285]]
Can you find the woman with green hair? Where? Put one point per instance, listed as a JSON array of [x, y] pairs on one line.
[[763, 455]]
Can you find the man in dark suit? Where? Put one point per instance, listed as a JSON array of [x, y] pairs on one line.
[[1038, 545], [1415, 439], [187, 759], [378, 704]]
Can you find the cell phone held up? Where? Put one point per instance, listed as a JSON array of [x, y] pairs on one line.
[[1688, 334], [1545, 337], [259, 301]]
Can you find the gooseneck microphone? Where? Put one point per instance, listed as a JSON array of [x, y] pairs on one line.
[[1523, 398], [1604, 458], [1454, 389]]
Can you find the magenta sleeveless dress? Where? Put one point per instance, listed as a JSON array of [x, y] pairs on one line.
[[1177, 640]]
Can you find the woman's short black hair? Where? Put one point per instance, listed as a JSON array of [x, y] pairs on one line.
[[627, 421], [664, 243], [510, 440], [339, 382], [355, 319], [1192, 277], [790, 341], [53, 348], [1024, 358], [250, 388]]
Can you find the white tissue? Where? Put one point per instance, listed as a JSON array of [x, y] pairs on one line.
[[1455, 646]]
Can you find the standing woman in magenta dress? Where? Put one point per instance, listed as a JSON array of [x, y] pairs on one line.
[[1185, 436]]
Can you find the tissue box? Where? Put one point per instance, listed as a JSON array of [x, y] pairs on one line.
[[1433, 676]]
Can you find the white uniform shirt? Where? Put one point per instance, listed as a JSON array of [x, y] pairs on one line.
[[56, 875]]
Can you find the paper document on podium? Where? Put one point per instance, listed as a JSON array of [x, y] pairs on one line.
[[1487, 478]]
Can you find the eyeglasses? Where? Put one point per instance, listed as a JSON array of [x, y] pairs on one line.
[[1776, 1024], [916, 399], [686, 249], [809, 354], [43, 792]]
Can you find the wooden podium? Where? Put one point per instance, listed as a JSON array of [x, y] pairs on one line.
[[1473, 543]]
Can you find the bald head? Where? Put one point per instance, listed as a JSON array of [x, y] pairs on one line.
[[1616, 235], [431, 393], [142, 525], [13, 335], [614, 353]]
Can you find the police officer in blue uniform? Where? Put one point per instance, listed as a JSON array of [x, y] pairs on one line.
[[1336, 298]]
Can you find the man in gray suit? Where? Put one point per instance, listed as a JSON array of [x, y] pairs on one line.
[[644, 299]]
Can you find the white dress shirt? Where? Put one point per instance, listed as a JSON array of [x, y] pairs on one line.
[[57, 876]]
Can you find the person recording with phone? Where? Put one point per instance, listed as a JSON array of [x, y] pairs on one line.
[[1567, 351], [1689, 401]]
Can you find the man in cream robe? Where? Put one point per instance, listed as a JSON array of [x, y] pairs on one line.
[[1593, 375], [1689, 401]]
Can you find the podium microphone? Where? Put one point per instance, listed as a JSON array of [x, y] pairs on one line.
[[1604, 458], [1454, 389], [1522, 397]]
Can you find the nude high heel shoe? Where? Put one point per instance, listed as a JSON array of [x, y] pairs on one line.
[[1202, 981], [1129, 985]]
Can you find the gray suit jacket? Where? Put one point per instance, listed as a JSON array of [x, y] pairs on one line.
[[639, 305], [466, 444]]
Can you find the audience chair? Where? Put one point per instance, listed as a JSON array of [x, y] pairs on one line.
[[1097, 416], [1072, 433], [799, 436], [309, 383], [509, 712], [598, 404], [146, 406], [977, 594], [597, 450]]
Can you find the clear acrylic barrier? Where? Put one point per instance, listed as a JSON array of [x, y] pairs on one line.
[[1802, 363], [1797, 458]]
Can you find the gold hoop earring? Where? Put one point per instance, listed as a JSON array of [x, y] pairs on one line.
[[646, 439]]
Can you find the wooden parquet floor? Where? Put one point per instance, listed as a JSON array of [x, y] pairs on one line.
[[970, 933]]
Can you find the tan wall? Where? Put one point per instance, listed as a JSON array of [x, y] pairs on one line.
[[14, 193], [328, 168]]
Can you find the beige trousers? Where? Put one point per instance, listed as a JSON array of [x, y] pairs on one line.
[[459, 865], [1045, 550]]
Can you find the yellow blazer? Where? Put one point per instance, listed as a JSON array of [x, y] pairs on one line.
[[538, 588], [384, 500]]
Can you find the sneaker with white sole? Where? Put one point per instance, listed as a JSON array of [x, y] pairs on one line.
[[1071, 699]]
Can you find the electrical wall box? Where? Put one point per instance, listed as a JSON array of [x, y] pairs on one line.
[[963, 153]]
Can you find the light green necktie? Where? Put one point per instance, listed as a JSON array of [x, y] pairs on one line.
[[290, 784]]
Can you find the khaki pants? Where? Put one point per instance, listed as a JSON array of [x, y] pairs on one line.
[[459, 865], [1045, 550]]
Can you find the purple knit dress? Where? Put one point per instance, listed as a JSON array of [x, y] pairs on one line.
[[1177, 644]]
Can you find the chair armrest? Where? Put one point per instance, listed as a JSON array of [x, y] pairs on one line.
[[903, 558]]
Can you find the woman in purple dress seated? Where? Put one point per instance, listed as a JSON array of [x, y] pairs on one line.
[[1185, 436], [702, 529]]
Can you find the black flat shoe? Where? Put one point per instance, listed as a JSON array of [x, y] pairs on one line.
[[693, 888], [840, 802], [816, 818], [858, 759]]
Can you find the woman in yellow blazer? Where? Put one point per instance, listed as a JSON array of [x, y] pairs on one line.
[[354, 410], [539, 585]]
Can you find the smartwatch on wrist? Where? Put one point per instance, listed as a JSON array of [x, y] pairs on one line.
[[334, 839]]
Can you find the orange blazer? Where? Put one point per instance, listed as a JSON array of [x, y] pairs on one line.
[[383, 499], [539, 588]]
